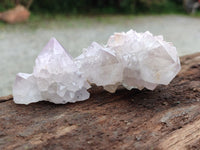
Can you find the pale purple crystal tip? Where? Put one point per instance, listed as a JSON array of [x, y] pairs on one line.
[[55, 78]]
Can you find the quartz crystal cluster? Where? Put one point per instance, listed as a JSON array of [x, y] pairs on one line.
[[131, 59], [100, 66], [55, 78], [147, 60]]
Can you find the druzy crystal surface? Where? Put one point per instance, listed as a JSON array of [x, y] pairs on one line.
[[147, 60], [55, 78], [131, 59], [100, 66]]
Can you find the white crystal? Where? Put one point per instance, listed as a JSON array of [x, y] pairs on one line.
[[147, 60], [55, 78], [100, 66], [25, 89], [131, 59]]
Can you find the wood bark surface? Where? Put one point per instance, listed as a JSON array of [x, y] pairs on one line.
[[167, 118]]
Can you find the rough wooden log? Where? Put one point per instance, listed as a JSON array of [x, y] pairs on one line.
[[167, 118]]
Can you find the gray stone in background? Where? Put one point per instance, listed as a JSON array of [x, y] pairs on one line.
[[19, 45]]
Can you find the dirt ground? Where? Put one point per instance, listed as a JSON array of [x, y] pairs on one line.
[[167, 118], [20, 44]]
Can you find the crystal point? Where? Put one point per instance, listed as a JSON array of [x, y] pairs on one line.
[[100, 66], [148, 60], [25, 90], [55, 78]]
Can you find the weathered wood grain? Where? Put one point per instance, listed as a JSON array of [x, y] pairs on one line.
[[167, 118], [182, 138]]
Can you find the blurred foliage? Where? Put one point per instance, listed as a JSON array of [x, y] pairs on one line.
[[98, 6], [7, 4]]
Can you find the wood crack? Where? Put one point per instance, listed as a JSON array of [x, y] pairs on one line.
[[6, 98]]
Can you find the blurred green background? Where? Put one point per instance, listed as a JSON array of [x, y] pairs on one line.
[[98, 6], [77, 23]]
